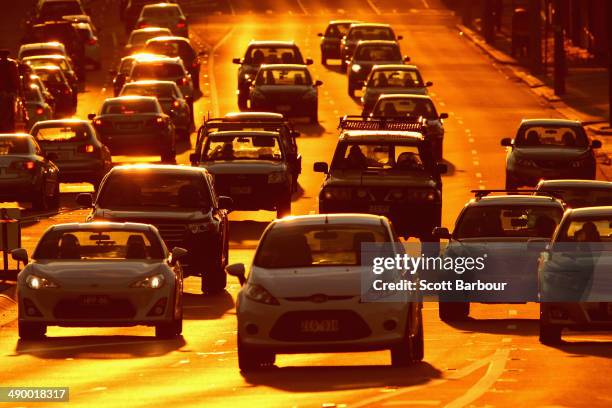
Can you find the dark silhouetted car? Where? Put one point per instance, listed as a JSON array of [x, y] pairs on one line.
[[363, 32], [138, 38], [57, 84], [167, 15], [332, 37], [578, 193], [177, 47]]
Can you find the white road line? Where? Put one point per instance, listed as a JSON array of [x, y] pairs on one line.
[[299, 3], [82, 346], [373, 6], [214, 101], [231, 7], [425, 4], [411, 402]]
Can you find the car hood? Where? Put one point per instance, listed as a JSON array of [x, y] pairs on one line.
[[98, 275], [298, 282], [374, 93], [551, 153], [150, 215], [244, 167], [358, 178]]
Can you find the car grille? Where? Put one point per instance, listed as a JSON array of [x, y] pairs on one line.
[[172, 234], [552, 164], [350, 326], [73, 309]]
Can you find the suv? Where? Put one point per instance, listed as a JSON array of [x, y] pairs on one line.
[[266, 121], [384, 167], [264, 52], [251, 166], [181, 202]]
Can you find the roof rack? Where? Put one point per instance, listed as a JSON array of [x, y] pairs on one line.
[[478, 194], [405, 123]]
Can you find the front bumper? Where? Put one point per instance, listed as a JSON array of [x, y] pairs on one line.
[[19, 189], [296, 108], [134, 143], [578, 316]]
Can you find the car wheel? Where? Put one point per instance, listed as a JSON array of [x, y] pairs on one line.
[[54, 202], [242, 101], [550, 334], [402, 353], [510, 183], [169, 330], [250, 359], [418, 342], [215, 280], [324, 60], [453, 311], [39, 202], [283, 207], [31, 331], [168, 157], [351, 90]]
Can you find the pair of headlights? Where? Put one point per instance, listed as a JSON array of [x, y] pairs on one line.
[[150, 282]]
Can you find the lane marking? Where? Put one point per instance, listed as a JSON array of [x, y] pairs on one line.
[[425, 3], [412, 402], [214, 100], [373, 6], [299, 3]]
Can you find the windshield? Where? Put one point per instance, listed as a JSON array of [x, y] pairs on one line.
[[243, 147], [362, 157], [14, 145], [167, 191], [157, 71], [272, 55], [316, 245], [283, 77], [549, 136], [371, 33], [126, 66], [378, 53], [395, 79], [156, 90], [128, 107], [39, 51], [508, 221], [592, 229], [51, 77], [389, 107], [161, 12], [99, 244], [60, 133]]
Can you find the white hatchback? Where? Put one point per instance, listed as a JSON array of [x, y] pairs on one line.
[[303, 294]]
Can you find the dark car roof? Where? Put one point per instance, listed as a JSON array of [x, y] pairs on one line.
[[120, 226], [518, 199], [253, 115], [245, 132], [62, 122], [169, 38], [403, 96], [569, 183], [395, 67], [371, 25], [548, 122], [131, 97], [590, 212]]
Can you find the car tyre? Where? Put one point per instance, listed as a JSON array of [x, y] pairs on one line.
[[418, 342], [31, 331], [283, 207], [250, 359], [40, 201], [54, 202], [169, 330], [550, 334], [168, 157], [351, 90], [242, 101], [402, 353], [215, 280], [453, 311]]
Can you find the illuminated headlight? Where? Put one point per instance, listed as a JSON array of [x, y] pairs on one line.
[[356, 67], [336, 193], [38, 282], [247, 77], [525, 163], [150, 282], [258, 293], [277, 177], [197, 228]]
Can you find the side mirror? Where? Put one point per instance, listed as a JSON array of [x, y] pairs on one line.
[[321, 167], [309, 61], [85, 200], [236, 61], [318, 82], [238, 271], [400, 37], [91, 116], [176, 254], [51, 156], [320, 34], [226, 203], [441, 233], [506, 141], [442, 168], [596, 144], [428, 84], [194, 158], [406, 58], [20, 254], [444, 116], [295, 133]]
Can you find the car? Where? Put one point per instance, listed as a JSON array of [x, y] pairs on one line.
[[578, 193], [37, 81], [415, 106], [366, 55], [392, 79], [266, 121], [93, 54], [138, 38], [549, 149], [499, 228], [172, 46], [264, 52], [80, 156], [574, 277], [182, 204], [384, 167], [363, 32], [61, 61], [286, 88], [80, 18], [121, 74], [135, 125], [332, 37], [26, 174], [251, 167], [38, 108], [163, 68], [45, 48], [57, 84], [133, 9], [53, 10], [168, 15], [171, 100], [303, 294], [100, 274]]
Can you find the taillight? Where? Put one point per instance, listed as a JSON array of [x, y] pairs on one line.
[[176, 104], [182, 81], [40, 111], [159, 121], [142, 25], [92, 41], [23, 165], [67, 91], [87, 148], [98, 122], [181, 24]]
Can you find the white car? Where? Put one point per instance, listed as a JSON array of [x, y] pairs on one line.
[[97, 275], [138, 38], [46, 48], [303, 294]]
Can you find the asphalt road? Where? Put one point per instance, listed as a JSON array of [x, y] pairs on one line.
[[494, 359]]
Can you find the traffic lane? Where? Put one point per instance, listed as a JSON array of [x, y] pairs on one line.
[[341, 9], [266, 7]]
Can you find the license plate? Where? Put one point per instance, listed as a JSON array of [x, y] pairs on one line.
[[319, 326], [240, 190], [379, 209], [95, 300], [283, 108], [127, 126]]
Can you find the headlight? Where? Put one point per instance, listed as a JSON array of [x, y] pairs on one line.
[[277, 177], [198, 228], [258, 293], [150, 282], [337, 193], [38, 282], [356, 67], [525, 163]]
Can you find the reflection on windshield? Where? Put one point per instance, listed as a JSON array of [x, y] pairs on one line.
[[379, 157], [244, 147]]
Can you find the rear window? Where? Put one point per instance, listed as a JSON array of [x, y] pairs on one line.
[[582, 197], [546, 136], [395, 79], [272, 55], [14, 145], [371, 33], [337, 30], [60, 133], [129, 107], [316, 245], [402, 107], [382, 157], [595, 229], [140, 38], [157, 71], [379, 53], [283, 77], [158, 91], [58, 62], [38, 51], [50, 77], [161, 12]]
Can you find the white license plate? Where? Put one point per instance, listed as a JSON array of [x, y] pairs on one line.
[[379, 209], [283, 108], [319, 326], [240, 190]]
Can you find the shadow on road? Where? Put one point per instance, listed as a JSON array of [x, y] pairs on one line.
[[309, 129], [517, 327], [334, 378], [450, 168], [98, 347], [243, 231], [586, 348], [206, 307]]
